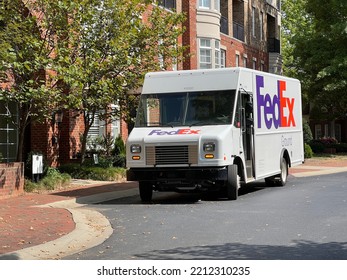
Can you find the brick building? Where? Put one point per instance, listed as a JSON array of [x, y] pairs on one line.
[[219, 33]]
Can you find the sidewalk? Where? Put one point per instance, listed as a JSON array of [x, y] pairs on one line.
[[54, 225]]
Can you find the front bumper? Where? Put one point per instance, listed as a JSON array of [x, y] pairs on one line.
[[194, 175]]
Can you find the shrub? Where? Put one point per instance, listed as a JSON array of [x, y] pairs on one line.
[[119, 153], [317, 146], [327, 141], [308, 151], [93, 172], [307, 133], [340, 147], [51, 181]]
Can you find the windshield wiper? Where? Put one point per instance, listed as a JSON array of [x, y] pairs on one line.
[[200, 123]]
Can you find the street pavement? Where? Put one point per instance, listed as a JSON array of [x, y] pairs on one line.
[[53, 225]]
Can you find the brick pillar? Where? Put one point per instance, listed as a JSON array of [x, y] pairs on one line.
[[189, 36], [11, 179]]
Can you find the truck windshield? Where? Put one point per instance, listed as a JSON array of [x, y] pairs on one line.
[[186, 108]]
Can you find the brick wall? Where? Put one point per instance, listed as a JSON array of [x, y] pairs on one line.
[[189, 36], [11, 179]]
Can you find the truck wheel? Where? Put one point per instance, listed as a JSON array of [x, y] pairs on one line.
[[146, 191], [284, 173], [233, 182]]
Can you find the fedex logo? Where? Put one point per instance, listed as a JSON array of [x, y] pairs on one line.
[[278, 110], [183, 131]]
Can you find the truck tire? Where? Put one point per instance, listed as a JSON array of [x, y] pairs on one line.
[[146, 191], [283, 176], [233, 182]]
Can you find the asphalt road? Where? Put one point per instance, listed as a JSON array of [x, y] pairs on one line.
[[306, 219]]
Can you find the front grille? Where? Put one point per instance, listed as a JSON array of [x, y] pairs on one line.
[[168, 155]]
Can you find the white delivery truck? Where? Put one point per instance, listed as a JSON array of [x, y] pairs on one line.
[[218, 129]]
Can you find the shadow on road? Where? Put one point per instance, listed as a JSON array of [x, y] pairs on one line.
[[184, 198], [300, 250]]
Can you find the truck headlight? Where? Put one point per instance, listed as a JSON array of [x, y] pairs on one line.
[[135, 148], [209, 147]]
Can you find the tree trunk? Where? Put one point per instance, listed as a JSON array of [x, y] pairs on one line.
[[88, 121], [23, 123]]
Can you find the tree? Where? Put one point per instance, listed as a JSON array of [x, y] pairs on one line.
[[295, 20], [81, 55], [106, 47], [322, 55], [25, 55]]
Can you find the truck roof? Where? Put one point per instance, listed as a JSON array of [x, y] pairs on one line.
[[201, 80]]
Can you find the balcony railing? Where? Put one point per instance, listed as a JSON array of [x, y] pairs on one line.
[[274, 45], [224, 26], [238, 31]]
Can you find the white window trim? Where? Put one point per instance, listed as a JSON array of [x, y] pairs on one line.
[[201, 4], [210, 49], [215, 50], [7, 143], [253, 21]]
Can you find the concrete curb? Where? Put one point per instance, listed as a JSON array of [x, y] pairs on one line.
[[92, 229], [320, 170]]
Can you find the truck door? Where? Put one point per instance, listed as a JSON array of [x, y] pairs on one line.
[[247, 127]]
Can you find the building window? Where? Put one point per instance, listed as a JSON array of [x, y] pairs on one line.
[[210, 54], [262, 66], [205, 54], [326, 130], [8, 131], [217, 54], [223, 56], [244, 61], [98, 128], [253, 21], [318, 131], [168, 4], [206, 4], [237, 60], [254, 64], [261, 26]]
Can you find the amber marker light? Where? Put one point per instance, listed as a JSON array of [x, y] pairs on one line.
[[136, 157], [209, 156]]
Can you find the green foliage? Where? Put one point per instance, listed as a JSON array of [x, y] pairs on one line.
[[110, 151], [53, 180], [119, 146], [119, 153], [24, 55], [321, 145], [308, 151], [307, 133], [317, 146], [294, 21], [97, 51], [93, 172], [110, 50], [320, 50]]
